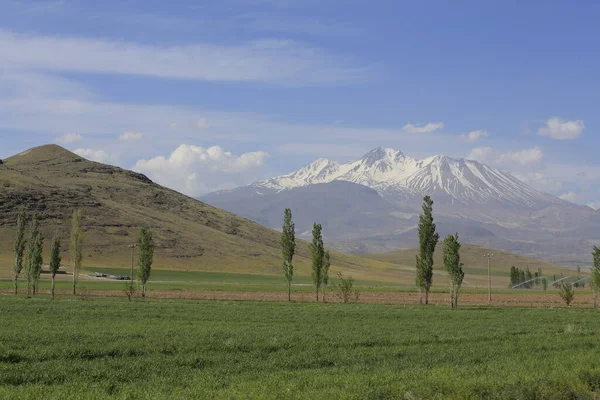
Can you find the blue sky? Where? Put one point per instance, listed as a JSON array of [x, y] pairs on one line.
[[209, 95]]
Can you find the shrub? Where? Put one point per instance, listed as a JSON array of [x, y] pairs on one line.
[[129, 289], [567, 293], [347, 293]]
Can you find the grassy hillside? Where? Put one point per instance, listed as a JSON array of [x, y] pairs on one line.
[[475, 264], [190, 235]]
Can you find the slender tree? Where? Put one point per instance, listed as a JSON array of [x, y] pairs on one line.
[[76, 248], [34, 256], [55, 259], [19, 247], [318, 254], [454, 267], [513, 276], [326, 265], [288, 248], [595, 278], [146, 245], [428, 239]]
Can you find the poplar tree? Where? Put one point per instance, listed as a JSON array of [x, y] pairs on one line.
[[146, 245], [288, 248], [318, 254], [19, 247], [34, 256], [595, 278], [428, 239], [55, 259], [514, 277], [326, 265], [76, 248], [454, 267]]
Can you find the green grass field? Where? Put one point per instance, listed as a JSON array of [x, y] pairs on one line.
[[100, 348]]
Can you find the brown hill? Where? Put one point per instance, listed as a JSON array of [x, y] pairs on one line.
[[190, 235]]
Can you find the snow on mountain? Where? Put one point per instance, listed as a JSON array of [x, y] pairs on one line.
[[373, 204], [393, 174]]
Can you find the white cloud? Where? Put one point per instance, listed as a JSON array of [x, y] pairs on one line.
[[540, 181], [557, 128], [525, 165], [195, 170], [68, 138], [570, 196], [97, 155], [283, 62], [473, 136], [533, 156], [131, 136], [427, 128], [484, 155], [202, 123], [527, 157]]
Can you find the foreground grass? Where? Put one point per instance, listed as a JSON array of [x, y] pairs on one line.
[[97, 348]]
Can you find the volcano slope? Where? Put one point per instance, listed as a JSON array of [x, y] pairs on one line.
[[190, 235]]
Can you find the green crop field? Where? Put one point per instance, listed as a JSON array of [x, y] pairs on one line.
[[100, 348]]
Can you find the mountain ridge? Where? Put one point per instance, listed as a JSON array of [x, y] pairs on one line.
[[385, 168], [467, 194]]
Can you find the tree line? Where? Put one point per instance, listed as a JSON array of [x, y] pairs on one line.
[[320, 262], [424, 262], [29, 253], [527, 279]]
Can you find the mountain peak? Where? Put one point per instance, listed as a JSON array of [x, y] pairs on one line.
[[48, 152], [382, 154]]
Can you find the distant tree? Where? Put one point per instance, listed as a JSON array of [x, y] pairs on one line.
[[514, 276], [146, 245], [528, 278], [19, 247], [76, 248], [566, 292], [35, 259], [522, 278], [454, 267], [428, 239], [346, 291], [595, 278], [577, 283], [55, 259], [326, 265], [545, 284], [288, 248], [318, 255]]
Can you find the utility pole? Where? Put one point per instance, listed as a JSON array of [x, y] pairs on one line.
[[132, 247], [489, 257]]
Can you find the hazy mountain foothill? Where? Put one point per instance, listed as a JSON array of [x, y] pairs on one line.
[[372, 205]]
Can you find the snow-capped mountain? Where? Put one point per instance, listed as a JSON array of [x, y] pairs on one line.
[[372, 204], [390, 172]]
